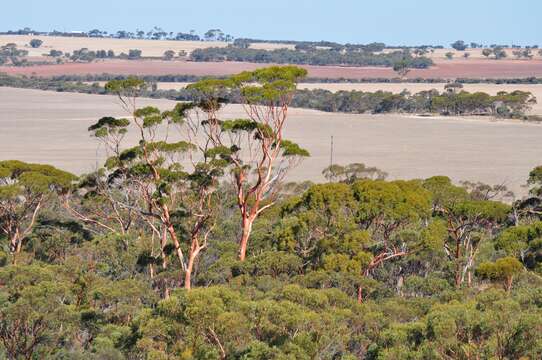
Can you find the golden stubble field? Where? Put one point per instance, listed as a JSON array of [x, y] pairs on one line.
[[51, 127], [149, 48]]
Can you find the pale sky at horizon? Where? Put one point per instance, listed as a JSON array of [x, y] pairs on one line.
[[395, 22]]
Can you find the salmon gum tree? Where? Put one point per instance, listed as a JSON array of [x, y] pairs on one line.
[[258, 154]]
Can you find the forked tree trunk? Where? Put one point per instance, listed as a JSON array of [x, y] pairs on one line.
[[178, 250]]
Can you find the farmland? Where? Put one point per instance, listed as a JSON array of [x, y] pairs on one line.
[[476, 66], [480, 69], [149, 48], [52, 128]]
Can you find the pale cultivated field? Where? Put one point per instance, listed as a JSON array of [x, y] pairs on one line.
[[271, 46], [491, 89], [51, 127], [150, 48]]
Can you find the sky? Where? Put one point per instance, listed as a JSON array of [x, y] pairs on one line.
[[394, 22]]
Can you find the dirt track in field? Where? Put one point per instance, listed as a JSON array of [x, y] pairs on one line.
[[51, 127]]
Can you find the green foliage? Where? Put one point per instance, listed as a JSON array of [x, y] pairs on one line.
[[391, 202], [108, 126], [10, 54], [36, 43], [269, 84], [337, 55], [24, 190], [169, 55], [402, 67], [353, 172], [83, 296], [129, 86], [31, 177], [503, 269], [290, 149], [459, 45], [523, 242], [535, 181]]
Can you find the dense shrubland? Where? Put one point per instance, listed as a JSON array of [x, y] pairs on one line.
[[312, 55], [192, 78], [246, 42], [453, 101], [86, 55], [146, 258]]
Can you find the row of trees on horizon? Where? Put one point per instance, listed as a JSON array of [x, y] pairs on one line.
[[158, 33]]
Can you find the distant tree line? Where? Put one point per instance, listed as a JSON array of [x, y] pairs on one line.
[[183, 78], [453, 101], [461, 45], [86, 55], [450, 102], [242, 42], [305, 45], [310, 56], [156, 33]]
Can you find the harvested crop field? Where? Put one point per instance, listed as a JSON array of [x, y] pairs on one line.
[[51, 128], [443, 69], [150, 48]]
